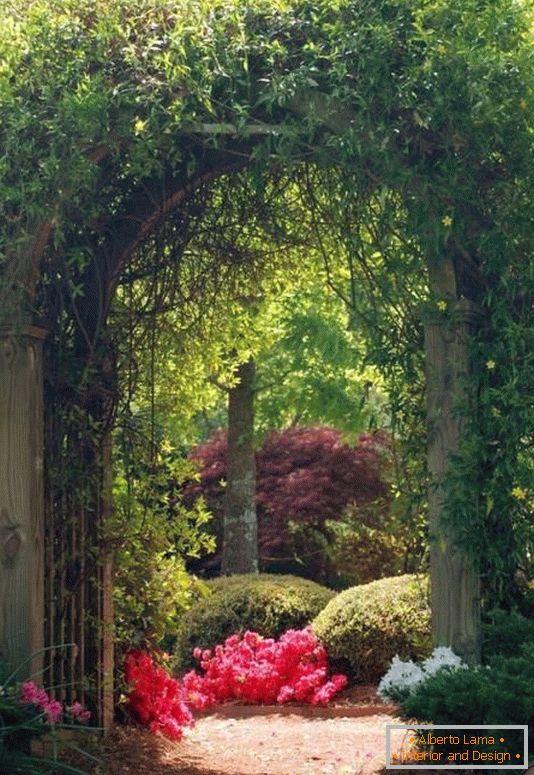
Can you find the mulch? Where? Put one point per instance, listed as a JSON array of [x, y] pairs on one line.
[[345, 738]]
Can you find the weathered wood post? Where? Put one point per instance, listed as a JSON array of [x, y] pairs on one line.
[[21, 498], [455, 581], [107, 700]]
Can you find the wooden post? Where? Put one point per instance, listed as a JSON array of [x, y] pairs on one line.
[[454, 579], [21, 499], [107, 699]]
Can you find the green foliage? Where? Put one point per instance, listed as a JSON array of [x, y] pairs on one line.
[[501, 693], [449, 694], [361, 551], [526, 603], [311, 366], [365, 626], [153, 534], [265, 603], [504, 632]]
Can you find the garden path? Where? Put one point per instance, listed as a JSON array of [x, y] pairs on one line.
[[346, 738]]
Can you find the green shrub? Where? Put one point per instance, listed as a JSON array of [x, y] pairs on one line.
[[505, 632], [365, 626], [360, 552], [153, 534], [501, 693], [265, 603]]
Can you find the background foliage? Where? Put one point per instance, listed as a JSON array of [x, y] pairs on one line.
[[305, 480]]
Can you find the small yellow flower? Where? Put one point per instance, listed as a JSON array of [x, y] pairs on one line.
[[441, 49], [490, 365], [139, 126], [519, 493], [441, 305], [166, 446], [523, 103], [447, 220], [495, 411]]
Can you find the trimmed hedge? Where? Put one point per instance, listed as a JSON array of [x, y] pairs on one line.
[[268, 604], [365, 626]]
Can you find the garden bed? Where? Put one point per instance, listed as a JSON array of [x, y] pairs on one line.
[[352, 703]]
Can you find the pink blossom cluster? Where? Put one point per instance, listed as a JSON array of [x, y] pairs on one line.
[[253, 669], [155, 699], [31, 694], [248, 668]]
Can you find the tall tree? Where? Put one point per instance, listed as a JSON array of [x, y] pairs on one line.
[[240, 531]]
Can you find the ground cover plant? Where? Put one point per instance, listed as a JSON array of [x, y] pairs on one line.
[[443, 689]]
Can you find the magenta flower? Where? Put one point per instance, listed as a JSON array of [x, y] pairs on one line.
[[79, 713], [53, 711], [31, 694], [249, 668]]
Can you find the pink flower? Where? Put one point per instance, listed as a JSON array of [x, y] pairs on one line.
[[79, 713], [53, 710], [339, 680], [249, 668], [285, 694], [31, 694]]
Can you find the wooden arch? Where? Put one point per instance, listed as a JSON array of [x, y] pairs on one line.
[[32, 593], [455, 585]]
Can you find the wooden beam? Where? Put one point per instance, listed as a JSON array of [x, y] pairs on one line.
[[21, 500], [325, 110], [455, 583], [247, 130]]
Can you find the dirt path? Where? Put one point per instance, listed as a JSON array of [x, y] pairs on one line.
[[345, 739]]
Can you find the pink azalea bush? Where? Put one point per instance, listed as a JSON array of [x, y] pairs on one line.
[[53, 710], [247, 668], [155, 699], [253, 669]]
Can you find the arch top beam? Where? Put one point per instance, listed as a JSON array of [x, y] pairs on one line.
[[23, 272]]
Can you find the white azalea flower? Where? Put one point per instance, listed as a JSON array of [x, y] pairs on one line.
[[402, 678]]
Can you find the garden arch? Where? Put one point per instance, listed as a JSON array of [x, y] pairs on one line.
[[113, 120]]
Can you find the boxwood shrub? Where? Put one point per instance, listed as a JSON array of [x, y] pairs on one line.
[[268, 604], [365, 626]]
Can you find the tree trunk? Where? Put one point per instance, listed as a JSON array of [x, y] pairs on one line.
[[21, 500], [240, 535], [454, 578]]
